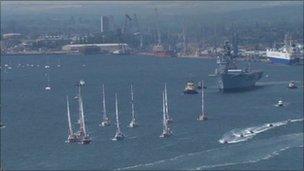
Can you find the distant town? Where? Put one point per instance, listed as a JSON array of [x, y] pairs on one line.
[[131, 37]]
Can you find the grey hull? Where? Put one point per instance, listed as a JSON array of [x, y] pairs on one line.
[[239, 81]]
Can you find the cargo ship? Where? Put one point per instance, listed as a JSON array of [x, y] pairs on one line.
[[231, 78], [285, 55], [288, 54]]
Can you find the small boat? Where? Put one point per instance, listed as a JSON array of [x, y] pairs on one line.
[[118, 135], [202, 116], [190, 88], [48, 87], [249, 132], [270, 125], [280, 103], [292, 85], [168, 117], [105, 120], [72, 137], [46, 66], [166, 130], [133, 120]]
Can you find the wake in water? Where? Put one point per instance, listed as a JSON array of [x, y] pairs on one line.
[[260, 83], [239, 135], [251, 152]]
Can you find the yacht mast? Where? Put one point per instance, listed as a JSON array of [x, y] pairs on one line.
[[69, 117], [81, 111], [166, 103], [164, 114], [104, 115], [202, 116], [203, 101], [116, 110], [132, 103]]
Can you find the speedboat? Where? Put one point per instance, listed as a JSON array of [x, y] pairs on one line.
[[190, 88], [202, 118], [270, 125], [47, 88], [292, 85]]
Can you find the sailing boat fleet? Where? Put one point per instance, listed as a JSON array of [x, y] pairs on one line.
[[82, 137]]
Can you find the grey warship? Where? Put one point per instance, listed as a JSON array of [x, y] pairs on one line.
[[231, 78]]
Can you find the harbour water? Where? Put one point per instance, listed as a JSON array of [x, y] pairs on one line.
[[36, 122]]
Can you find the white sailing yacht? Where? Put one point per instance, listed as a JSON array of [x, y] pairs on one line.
[[82, 135], [133, 120], [118, 135], [72, 137], [48, 86], [202, 116], [168, 118], [166, 130], [81, 83], [105, 120]]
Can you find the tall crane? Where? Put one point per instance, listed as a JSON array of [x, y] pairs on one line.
[[138, 31], [157, 28], [126, 24]]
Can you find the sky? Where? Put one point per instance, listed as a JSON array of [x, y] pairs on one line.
[[27, 7]]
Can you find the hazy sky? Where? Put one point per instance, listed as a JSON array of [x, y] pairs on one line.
[[47, 6]]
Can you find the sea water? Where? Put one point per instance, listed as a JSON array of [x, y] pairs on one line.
[[36, 120]]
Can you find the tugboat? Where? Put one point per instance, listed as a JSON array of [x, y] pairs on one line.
[[133, 120], [190, 88], [118, 135], [166, 130], [292, 85], [105, 120]]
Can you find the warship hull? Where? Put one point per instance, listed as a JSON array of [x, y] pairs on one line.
[[238, 81]]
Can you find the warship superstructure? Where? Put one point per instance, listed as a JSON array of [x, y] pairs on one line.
[[230, 77]]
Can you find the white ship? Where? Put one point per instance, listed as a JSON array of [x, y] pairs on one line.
[[288, 54]]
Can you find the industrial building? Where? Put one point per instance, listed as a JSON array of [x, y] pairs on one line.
[[97, 48]]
